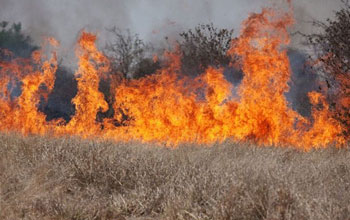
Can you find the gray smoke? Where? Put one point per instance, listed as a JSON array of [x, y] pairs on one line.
[[152, 19]]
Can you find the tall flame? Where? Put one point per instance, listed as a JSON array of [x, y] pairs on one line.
[[89, 100], [169, 108], [37, 78]]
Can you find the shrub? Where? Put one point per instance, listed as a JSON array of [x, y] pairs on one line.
[[128, 54], [332, 48], [204, 46], [13, 39]]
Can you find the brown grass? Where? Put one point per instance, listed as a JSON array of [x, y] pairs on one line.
[[67, 178]]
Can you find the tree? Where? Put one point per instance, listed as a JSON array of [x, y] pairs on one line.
[[13, 39], [128, 54], [332, 48], [204, 46]]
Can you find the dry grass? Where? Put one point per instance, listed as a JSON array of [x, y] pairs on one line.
[[44, 178]]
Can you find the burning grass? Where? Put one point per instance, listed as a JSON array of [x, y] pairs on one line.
[[69, 178], [213, 171], [168, 108]]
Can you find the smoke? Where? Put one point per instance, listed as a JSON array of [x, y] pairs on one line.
[[152, 19], [64, 19]]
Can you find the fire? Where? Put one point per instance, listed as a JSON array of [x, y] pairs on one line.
[[89, 100], [164, 108], [167, 108], [37, 78], [263, 113]]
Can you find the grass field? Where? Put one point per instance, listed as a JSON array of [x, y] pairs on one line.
[[68, 178]]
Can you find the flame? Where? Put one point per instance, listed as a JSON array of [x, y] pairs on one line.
[[263, 113], [37, 78], [169, 108], [89, 100]]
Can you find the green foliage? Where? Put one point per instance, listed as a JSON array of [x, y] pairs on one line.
[[13, 39]]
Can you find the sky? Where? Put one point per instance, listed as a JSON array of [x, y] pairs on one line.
[[151, 19]]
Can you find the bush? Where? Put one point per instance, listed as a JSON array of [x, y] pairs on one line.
[[332, 47], [12, 39], [204, 46], [145, 67], [128, 54]]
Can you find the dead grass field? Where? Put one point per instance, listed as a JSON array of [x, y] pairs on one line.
[[67, 178]]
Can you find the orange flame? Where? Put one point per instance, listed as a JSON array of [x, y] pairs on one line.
[[21, 114], [167, 108], [89, 100]]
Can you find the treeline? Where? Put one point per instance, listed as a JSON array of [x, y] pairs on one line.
[[130, 58], [200, 47]]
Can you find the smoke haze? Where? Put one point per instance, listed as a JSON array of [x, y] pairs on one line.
[[152, 19]]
